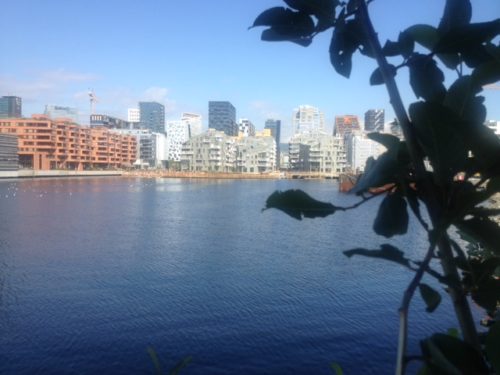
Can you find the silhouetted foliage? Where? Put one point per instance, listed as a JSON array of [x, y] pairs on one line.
[[449, 162]]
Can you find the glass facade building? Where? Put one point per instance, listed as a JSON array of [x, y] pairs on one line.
[[374, 120], [11, 107], [275, 127], [222, 116], [152, 116]]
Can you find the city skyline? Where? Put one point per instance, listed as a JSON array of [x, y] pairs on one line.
[[183, 66]]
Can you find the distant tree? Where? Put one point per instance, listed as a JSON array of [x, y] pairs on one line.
[[449, 162]]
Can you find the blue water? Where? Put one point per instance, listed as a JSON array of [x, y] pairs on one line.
[[95, 271]]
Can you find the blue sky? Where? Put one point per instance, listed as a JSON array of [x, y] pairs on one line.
[[185, 53]]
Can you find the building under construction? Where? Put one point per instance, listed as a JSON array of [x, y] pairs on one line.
[[46, 144]]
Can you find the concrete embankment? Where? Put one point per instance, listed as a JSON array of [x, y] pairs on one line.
[[26, 173]]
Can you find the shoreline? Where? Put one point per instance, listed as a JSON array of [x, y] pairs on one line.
[[26, 174]]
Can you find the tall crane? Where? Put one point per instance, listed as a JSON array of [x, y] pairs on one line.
[[93, 100]]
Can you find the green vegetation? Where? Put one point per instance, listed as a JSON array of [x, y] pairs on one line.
[[448, 163]]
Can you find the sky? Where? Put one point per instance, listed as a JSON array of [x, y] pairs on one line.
[[185, 53]]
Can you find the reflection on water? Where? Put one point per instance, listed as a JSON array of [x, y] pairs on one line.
[[93, 271]]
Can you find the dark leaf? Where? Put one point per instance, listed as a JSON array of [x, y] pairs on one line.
[[323, 10], [406, 44], [426, 79], [456, 13], [271, 35], [285, 24], [390, 142], [298, 204], [445, 354], [377, 79], [431, 298], [483, 230], [487, 294], [378, 173], [464, 39], [436, 129], [475, 56], [346, 39], [486, 73], [412, 198], [492, 346], [272, 17], [392, 216], [425, 35], [461, 98], [387, 252], [391, 48]]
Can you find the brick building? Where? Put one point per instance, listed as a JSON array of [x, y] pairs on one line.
[[46, 144]]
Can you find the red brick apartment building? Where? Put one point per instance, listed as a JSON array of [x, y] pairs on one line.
[[46, 144]]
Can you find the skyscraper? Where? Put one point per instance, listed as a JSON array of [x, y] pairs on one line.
[[152, 116], [222, 116], [374, 120], [57, 111], [346, 124], [308, 120], [275, 127], [11, 107]]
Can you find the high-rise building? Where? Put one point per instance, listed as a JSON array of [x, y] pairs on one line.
[[246, 128], [374, 120], [177, 134], [11, 107], [57, 111], [275, 127], [346, 124], [194, 122], [152, 115], [308, 120], [134, 115], [222, 116]]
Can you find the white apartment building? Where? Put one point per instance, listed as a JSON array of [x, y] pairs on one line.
[[361, 149], [133, 115], [256, 155], [317, 153], [307, 119], [151, 147], [194, 122], [177, 134], [246, 128], [212, 151]]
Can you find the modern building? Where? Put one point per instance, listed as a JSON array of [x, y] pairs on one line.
[[319, 153], [110, 122], [308, 120], [374, 120], [9, 159], [275, 127], [152, 115], [133, 115], [246, 128], [363, 148], [45, 144], [194, 122], [11, 107], [346, 124], [57, 111], [212, 151], [256, 155], [222, 117], [178, 132]]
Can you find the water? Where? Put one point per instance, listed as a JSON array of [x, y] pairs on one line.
[[95, 271]]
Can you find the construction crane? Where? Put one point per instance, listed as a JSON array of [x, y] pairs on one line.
[[93, 100]]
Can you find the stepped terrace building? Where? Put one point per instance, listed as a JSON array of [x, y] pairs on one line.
[[45, 144]]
